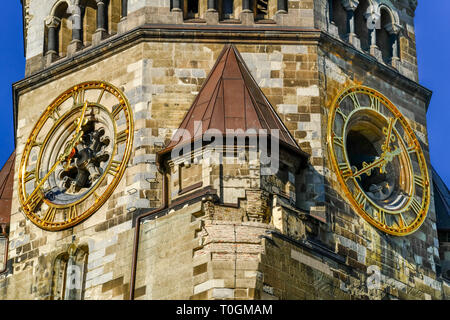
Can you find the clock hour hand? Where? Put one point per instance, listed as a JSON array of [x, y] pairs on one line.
[[81, 121]]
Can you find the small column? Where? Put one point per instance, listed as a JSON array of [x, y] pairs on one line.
[[101, 16], [211, 5], [176, 5], [374, 50], [350, 6], [247, 17], [124, 9], [281, 6], [101, 32], [394, 30], [76, 44], [52, 24], [211, 14]]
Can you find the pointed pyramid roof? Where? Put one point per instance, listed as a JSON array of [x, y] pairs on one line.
[[231, 99], [6, 189]]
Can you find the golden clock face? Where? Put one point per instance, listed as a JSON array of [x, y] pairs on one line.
[[76, 155], [378, 161]]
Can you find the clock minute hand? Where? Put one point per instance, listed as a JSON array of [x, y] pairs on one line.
[[388, 133], [81, 119], [76, 134], [367, 168], [385, 158], [61, 158]]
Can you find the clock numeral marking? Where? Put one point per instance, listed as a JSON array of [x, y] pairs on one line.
[[122, 136], [29, 175], [73, 212], [416, 206], [54, 114], [355, 100], [339, 141], [382, 216], [419, 181], [34, 200], [49, 216], [342, 114], [346, 172], [114, 167], [375, 103], [78, 97], [411, 149], [101, 96], [36, 144], [401, 221], [96, 196], [116, 110], [361, 199]]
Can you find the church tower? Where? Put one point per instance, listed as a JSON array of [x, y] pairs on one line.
[[205, 149]]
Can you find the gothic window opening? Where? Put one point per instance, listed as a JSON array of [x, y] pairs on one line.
[[338, 16], [227, 9], [385, 40], [361, 29], [58, 31], [89, 19], [114, 12], [69, 274], [191, 9]]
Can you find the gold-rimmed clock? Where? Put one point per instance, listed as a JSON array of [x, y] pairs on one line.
[[378, 161], [76, 155]]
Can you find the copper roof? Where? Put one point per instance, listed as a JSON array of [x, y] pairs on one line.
[[231, 99], [6, 188]]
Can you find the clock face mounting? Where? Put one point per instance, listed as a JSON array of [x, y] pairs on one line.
[[75, 155], [378, 161]]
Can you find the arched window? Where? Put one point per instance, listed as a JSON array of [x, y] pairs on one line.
[[58, 32], [384, 38], [338, 16], [361, 29], [69, 273]]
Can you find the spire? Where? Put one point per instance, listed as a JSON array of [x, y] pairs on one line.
[[231, 99]]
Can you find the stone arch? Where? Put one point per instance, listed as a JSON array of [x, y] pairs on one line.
[[58, 26], [387, 5], [386, 35]]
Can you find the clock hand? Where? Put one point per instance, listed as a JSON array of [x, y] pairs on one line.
[[80, 122], [388, 133], [385, 158], [81, 119], [61, 158], [367, 168]]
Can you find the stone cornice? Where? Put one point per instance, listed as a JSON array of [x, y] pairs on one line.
[[206, 34]]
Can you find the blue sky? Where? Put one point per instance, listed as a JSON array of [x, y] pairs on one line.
[[433, 47]]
